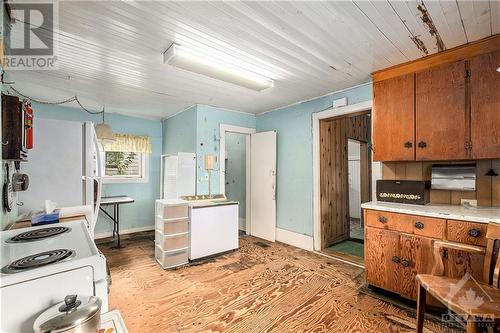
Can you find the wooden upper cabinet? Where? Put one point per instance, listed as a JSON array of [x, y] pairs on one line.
[[485, 106], [393, 119], [441, 127]]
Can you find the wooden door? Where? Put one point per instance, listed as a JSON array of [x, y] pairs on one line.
[[416, 258], [333, 182], [485, 106], [382, 265], [393, 119], [441, 126]]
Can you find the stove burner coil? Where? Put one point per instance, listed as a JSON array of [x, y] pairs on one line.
[[37, 234], [38, 260]]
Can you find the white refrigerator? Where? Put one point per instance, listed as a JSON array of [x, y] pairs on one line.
[[64, 166]]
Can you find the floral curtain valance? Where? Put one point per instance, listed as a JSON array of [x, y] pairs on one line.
[[129, 143]]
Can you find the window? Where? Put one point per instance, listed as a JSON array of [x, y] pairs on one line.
[[125, 167]]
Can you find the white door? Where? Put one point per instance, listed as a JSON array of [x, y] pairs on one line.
[[263, 185]]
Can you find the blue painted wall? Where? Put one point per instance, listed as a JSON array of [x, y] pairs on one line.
[[294, 162], [205, 137], [179, 132], [208, 140], [141, 212]]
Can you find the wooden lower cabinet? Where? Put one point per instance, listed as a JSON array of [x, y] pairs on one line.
[[381, 251], [393, 260], [395, 252]]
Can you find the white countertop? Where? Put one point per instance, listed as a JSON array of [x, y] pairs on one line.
[[452, 212]]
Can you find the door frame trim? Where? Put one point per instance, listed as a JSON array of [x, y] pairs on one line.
[[223, 128], [316, 117]]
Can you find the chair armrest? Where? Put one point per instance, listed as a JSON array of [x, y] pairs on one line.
[[437, 246]]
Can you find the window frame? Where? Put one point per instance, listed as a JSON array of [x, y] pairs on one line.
[[124, 179]]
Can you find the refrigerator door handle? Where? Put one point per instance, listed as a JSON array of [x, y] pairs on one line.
[[99, 182]]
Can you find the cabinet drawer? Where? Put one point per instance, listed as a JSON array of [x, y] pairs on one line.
[[171, 259], [467, 232], [167, 211], [172, 226], [172, 242], [428, 226], [390, 221]]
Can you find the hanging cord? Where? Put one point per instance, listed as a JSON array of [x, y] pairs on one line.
[[69, 100]]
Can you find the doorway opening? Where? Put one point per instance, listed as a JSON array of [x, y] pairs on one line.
[[235, 173], [234, 169], [345, 183]]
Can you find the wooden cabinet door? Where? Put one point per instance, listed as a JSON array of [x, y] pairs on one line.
[[485, 106], [416, 258], [380, 248], [393, 119], [441, 127]]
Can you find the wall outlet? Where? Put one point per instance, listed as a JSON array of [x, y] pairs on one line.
[[468, 202]]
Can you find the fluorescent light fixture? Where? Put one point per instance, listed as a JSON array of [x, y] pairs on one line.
[[192, 61]]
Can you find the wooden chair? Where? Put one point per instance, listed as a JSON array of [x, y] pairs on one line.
[[459, 295]]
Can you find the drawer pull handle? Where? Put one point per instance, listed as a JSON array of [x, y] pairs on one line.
[[474, 233], [396, 259], [382, 219], [419, 225], [405, 263]]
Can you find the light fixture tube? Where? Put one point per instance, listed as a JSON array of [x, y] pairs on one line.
[[192, 61]]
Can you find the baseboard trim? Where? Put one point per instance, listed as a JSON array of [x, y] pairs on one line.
[[295, 239], [124, 232]]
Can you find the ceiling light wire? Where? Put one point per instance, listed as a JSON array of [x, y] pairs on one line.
[[69, 100]]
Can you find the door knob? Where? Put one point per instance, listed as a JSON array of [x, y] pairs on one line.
[[422, 144], [408, 144], [396, 259]]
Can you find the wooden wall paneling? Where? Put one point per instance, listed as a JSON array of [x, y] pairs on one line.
[[485, 106], [325, 167], [457, 196], [440, 114], [495, 184], [334, 198], [414, 171], [440, 197], [483, 183], [389, 170], [393, 119]]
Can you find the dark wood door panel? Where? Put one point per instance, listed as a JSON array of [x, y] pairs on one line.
[[393, 119], [441, 125], [485, 106]]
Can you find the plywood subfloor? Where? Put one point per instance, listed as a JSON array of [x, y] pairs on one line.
[[262, 287]]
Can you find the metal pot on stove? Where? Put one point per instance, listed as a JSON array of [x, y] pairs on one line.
[[76, 314]]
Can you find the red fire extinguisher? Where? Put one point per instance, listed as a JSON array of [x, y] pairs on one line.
[[28, 124]]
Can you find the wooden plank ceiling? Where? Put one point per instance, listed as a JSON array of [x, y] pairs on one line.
[[111, 52]]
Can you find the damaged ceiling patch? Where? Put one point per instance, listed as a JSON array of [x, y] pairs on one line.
[[426, 18]]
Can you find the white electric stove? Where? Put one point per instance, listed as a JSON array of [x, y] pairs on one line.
[[41, 265]]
